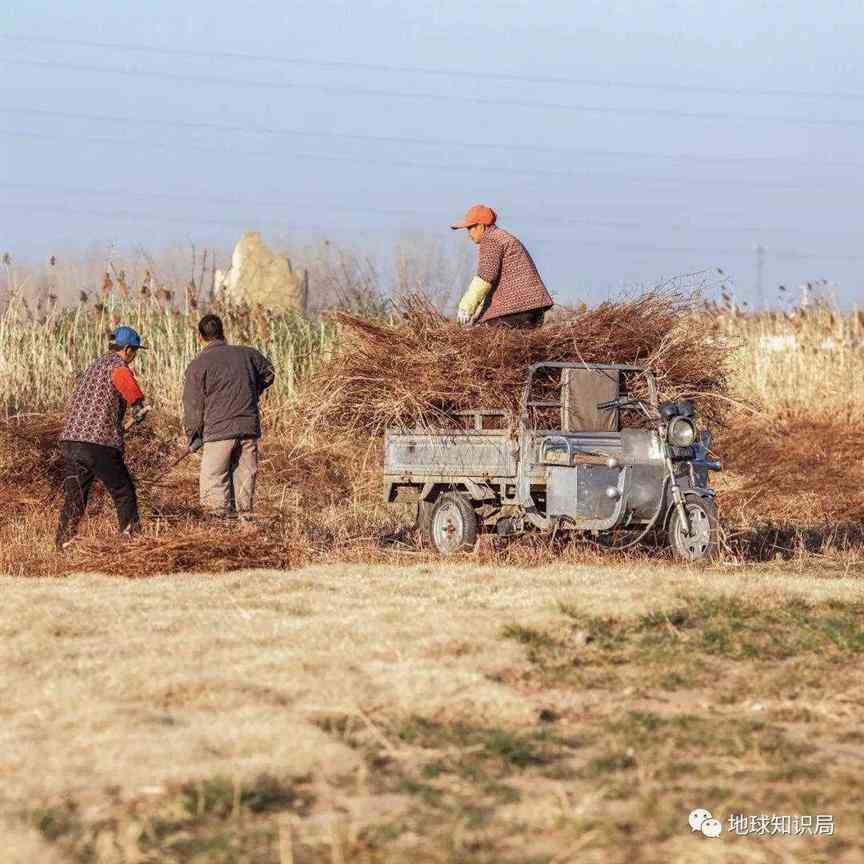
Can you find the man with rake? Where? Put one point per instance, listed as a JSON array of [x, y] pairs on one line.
[[507, 290], [92, 437]]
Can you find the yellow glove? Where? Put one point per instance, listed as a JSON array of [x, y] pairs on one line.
[[473, 298]]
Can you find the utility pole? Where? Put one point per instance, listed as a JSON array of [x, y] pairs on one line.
[[759, 249]]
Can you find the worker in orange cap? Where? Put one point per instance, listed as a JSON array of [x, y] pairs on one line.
[[507, 290]]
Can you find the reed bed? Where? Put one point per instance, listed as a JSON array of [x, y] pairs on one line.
[[800, 367], [42, 354]]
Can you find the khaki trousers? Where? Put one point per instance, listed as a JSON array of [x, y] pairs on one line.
[[228, 471]]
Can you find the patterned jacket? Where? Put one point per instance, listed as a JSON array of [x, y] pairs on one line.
[[95, 412], [516, 285]]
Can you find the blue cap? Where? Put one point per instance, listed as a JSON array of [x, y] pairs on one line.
[[126, 337]]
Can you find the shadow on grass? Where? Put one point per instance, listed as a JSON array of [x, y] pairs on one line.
[[777, 542]]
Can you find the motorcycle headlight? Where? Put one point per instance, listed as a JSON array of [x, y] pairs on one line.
[[681, 432]]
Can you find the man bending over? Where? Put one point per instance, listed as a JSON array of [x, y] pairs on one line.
[[92, 438]]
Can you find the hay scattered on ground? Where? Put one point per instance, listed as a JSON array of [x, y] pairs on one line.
[[303, 498], [188, 547]]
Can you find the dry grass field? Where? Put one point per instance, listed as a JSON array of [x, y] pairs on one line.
[[431, 713]]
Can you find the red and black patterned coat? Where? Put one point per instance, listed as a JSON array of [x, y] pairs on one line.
[[98, 404], [516, 285]]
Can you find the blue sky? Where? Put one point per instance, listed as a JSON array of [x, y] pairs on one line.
[[623, 142]]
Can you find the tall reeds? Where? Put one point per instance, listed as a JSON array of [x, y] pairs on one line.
[[804, 366], [41, 354]]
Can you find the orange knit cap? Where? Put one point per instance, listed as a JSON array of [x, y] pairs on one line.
[[479, 214]]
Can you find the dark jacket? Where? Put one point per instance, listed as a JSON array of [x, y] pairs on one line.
[[220, 396]]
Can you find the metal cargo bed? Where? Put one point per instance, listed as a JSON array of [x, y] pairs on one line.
[[429, 456]]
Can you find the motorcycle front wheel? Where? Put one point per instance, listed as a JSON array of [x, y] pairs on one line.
[[702, 542]]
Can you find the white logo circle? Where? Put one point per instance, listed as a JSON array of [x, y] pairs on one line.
[[712, 828], [697, 817]]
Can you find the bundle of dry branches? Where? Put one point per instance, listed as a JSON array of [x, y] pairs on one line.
[[420, 366]]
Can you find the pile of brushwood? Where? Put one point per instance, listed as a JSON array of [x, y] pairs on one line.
[[418, 367], [789, 488]]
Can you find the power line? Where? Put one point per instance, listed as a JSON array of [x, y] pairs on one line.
[[431, 141], [577, 242], [23, 206], [428, 141], [431, 70], [198, 198], [554, 222], [209, 80], [458, 167]]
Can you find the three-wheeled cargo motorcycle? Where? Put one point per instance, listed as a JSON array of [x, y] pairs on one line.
[[592, 451]]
